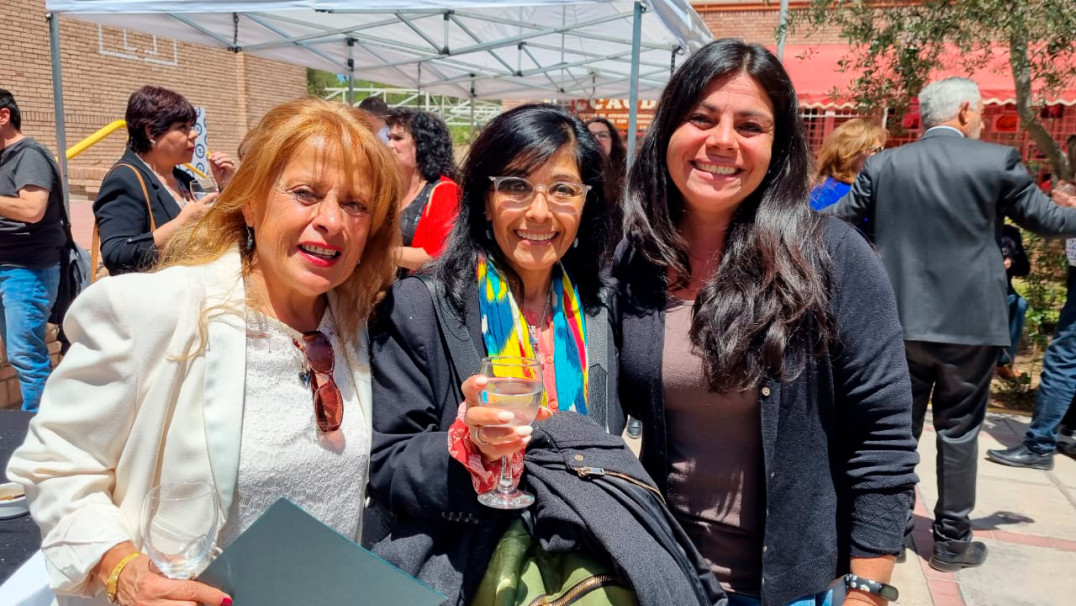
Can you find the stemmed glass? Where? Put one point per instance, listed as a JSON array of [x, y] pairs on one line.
[[515, 385], [179, 526], [201, 188]]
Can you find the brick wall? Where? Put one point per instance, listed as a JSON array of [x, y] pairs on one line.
[[236, 91], [757, 22], [101, 67]]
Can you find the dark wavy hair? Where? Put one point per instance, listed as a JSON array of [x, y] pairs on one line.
[[616, 173], [157, 108], [514, 144], [752, 318], [433, 142]]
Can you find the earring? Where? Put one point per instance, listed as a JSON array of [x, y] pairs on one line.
[[250, 239], [489, 232], [153, 142], [358, 264], [575, 243]]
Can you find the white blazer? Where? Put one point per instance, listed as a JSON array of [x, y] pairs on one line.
[[125, 411]]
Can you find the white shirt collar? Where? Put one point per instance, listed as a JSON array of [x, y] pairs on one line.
[[952, 128]]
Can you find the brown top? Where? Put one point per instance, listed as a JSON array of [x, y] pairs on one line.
[[715, 455]]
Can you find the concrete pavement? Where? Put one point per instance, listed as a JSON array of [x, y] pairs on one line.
[[1026, 517]]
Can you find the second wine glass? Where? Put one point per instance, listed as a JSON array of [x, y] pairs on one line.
[[515, 385], [179, 526]]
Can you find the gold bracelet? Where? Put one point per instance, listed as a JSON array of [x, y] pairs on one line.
[[112, 586]]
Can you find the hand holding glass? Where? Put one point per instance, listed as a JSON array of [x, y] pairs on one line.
[[514, 385], [179, 526], [200, 188]]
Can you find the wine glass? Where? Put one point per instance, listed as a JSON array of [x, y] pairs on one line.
[[179, 526], [515, 385], [201, 188]]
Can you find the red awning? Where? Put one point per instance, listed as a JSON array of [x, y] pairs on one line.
[[815, 73]]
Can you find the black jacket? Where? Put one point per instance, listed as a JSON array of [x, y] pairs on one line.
[[590, 492], [838, 454], [122, 220], [937, 206]]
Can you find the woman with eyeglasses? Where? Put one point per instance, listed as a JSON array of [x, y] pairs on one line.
[[146, 197], [241, 361], [522, 273]]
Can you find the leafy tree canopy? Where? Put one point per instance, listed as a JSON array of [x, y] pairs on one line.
[[895, 45]]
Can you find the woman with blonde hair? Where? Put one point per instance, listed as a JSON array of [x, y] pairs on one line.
[[841, 158], [241, 362]]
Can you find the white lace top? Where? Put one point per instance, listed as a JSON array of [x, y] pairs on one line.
[[282, 452]]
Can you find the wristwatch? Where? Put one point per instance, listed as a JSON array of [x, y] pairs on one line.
[[888, 592]]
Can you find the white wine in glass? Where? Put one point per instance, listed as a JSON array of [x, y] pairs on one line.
[[179, 526], [515, 385], [201, 188]]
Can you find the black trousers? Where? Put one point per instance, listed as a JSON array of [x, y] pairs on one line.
[[956, 379]]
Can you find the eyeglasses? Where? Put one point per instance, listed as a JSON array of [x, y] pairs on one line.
[[328, 403], [518, 193], [601, 134]]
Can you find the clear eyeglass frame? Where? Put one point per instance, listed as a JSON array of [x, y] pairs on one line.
[[519, 193]]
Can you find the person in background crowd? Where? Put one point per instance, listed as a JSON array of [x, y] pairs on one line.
[[1016, 265], [31, 243], [935, 206], [378, 110], [616, 158], [759, 345], [428, 207], [533, 226], [840, 160], [241, 362], [1057, 388], [146, 198]]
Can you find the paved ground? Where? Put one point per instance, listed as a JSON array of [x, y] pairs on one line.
[[1026, 517]]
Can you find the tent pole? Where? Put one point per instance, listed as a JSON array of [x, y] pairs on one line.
[[471, 134], [351, 71], [633, 101], [782, 30], [58, 96]]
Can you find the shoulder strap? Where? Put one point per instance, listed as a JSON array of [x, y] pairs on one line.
[[145, 194], [462, 352], [598, 358]]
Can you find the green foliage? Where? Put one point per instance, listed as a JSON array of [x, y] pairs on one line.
[[896, 45], [318, 80]]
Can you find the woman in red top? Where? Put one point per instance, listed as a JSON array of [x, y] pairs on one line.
[[428, 209]]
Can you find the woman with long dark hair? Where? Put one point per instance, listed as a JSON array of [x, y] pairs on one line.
[[760, 344], [522, 274]]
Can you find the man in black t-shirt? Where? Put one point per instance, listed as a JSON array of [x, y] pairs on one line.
[[31, 242]]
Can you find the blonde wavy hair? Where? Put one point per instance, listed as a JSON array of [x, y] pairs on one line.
[[264, 153], [839, 153]]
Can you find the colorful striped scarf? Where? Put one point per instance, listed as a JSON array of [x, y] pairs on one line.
[[505, 333]]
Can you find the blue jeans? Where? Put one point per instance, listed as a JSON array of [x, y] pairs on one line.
[[822, 599], [1058, 382], [26, 298], [1017, 314]]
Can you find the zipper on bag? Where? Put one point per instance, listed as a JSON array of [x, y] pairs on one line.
[[575, 591]]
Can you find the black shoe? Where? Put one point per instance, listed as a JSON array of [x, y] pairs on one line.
[[635, 428], [951, 556], [1021, 456], [1067, 448], [909, 545]]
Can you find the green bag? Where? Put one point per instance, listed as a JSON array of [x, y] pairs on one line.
[[521, 573]]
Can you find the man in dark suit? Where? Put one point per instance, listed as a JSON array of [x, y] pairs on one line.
[[937, 206]]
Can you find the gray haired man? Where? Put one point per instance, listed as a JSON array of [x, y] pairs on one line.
[[937, 206]]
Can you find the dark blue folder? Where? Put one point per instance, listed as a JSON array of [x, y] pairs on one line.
[[287, 557]]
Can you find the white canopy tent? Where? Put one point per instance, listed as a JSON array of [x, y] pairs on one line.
[[508, 49]]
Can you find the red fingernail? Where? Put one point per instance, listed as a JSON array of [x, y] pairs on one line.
[[226, 601]]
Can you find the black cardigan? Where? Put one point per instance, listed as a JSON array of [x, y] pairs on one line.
[[122, 219], [838, 454]]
